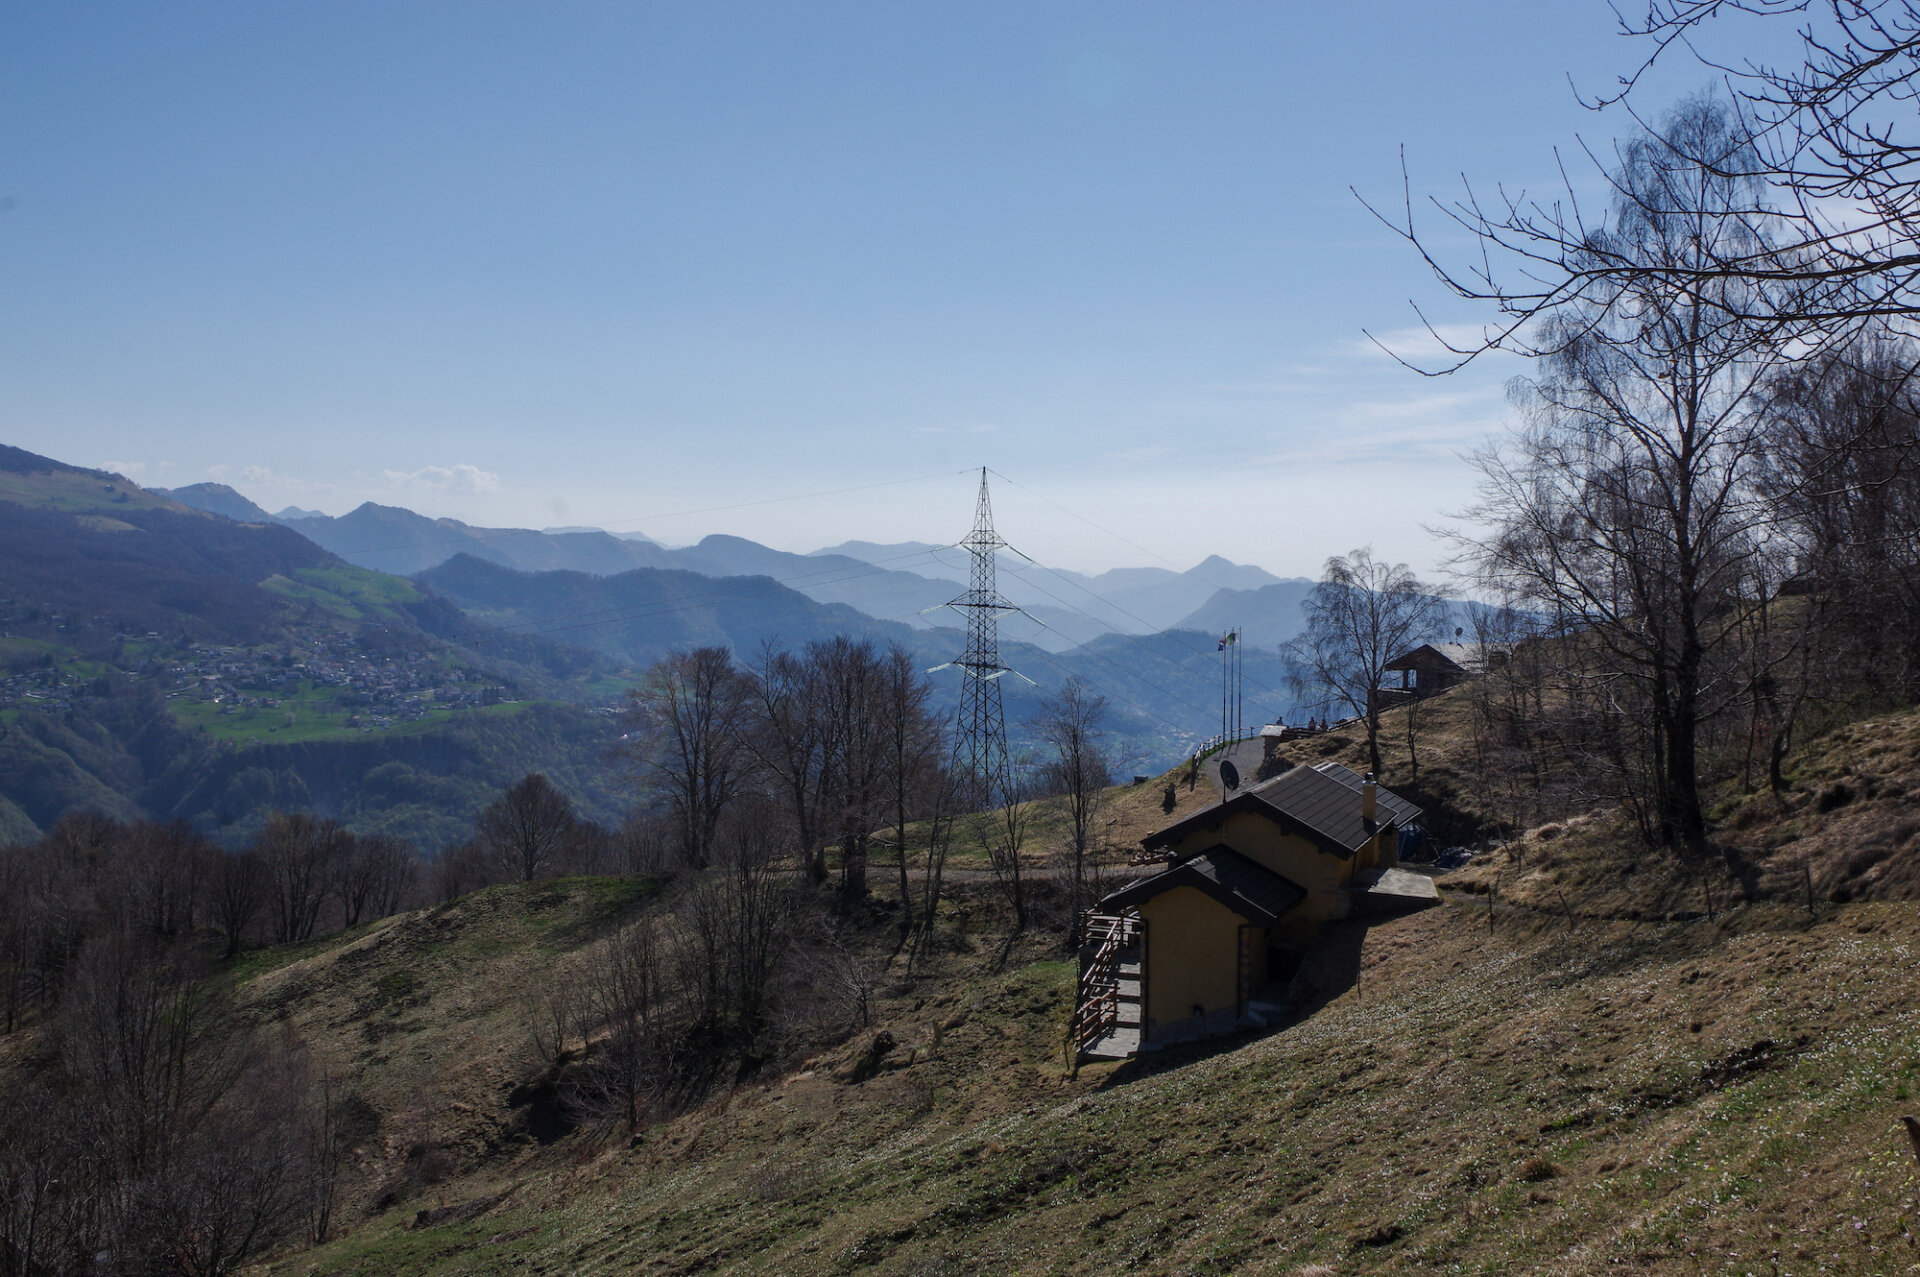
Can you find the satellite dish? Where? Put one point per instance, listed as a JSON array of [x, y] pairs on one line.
[[1229, 775]]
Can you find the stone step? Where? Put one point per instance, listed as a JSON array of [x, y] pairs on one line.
[[1119, 1044]]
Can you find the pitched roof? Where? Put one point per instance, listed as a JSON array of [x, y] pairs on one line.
[[1468, 658], [1321, 802], [1397, 809], [1253, 891]]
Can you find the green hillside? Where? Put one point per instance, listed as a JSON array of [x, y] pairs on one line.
[[161, 661]]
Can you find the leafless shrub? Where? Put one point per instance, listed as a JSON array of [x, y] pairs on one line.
[[629, 1049], [165, 1135]]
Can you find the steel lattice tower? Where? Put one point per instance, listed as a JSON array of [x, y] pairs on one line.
[[982, 728]]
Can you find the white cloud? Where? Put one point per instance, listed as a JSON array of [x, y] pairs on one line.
[[262, 477], [1425, 348], [141, 472], [456, 478]]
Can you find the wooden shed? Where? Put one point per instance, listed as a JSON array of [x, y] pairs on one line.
[[1432, 668], [1207, 943]]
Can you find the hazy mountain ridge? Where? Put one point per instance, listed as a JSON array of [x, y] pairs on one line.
[[640, 615], [907, 582], [1266, 617], [1163, 689]]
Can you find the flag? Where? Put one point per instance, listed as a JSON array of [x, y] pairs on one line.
[[1228, 640]]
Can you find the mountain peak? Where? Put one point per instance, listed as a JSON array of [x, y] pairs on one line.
[[216, 498], [1227, 574]]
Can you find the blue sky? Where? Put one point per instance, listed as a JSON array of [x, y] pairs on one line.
[[693, 268]]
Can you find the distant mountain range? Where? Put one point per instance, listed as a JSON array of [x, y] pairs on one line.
[[157, 660], [1163, 689], [905, 582], [157, 649]]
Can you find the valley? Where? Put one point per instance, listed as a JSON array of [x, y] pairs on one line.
[[226, 629]]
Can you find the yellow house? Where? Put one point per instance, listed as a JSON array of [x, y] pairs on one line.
[[1248, 883]]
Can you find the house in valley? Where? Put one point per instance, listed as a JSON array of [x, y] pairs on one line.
[[1207, 943]]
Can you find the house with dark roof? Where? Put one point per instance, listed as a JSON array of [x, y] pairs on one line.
[[1203, 944], [1432, 668]]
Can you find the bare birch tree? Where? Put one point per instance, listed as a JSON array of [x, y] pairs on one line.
[[1627, 505], [1077, 767], [1361, 615]]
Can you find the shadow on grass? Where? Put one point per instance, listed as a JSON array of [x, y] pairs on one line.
[[1329, 969], [607, 903]]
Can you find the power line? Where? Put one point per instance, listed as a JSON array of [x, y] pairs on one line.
[[1131, 638], [1193, 571]]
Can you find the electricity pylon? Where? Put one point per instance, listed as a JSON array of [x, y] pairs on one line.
[[982, 729]]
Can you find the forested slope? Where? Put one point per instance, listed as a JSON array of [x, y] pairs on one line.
[[157, 660]]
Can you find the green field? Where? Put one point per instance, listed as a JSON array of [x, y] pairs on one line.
[[611, 687], [315, 714], [346, 592]]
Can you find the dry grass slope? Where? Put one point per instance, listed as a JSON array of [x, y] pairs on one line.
[[1667, 1097], [1619, 1090]]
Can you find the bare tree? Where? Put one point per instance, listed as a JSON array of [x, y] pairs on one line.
[[788, 736], [1628, 505], [914, 738], [1361, 615], [591, 849], [644, 844], [1001, 832], [1076, 766], [946, 802], [240, 892], [852, 687], [621, 987], [374, 878], [396, 871], [526, 826], [686, 722], [159, 872], [463, 867], [147, 1034], [1841, 476], [188, 1157], [303, 855], [1834, 135]]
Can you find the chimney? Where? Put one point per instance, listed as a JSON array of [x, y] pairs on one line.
[[1369, 799]]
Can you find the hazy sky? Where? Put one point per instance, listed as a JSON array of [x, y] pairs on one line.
[[707, 267]]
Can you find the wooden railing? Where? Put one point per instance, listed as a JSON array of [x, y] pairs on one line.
[[1097, 1002]]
